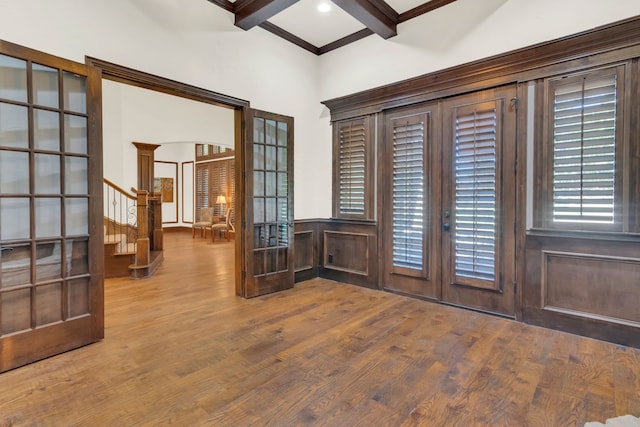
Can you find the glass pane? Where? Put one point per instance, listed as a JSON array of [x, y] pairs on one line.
[[271, 235], [258, 210], [270, 158], [77, 257], [76, 175], [14, 218], [258, 130], [258, 236], [282, 184], [48, 304], [258, 263], [16, 311], [282, 134], [47, 174], [258, 156], [47, 217], [46, 130], [74, 92], [78, 299], [282, 210], [75, 134], [77, 216], [14, 126], [270, 209], [45, 86], [282, 259], [271, 132], [14, 172], [283, 235], [16, 265], [13, 79], [258, 183], [282, 159], [48, 261], [271, 184], [271, 256]]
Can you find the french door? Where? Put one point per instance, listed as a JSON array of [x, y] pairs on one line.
[[450, 202], [51, 283], [268, 238]]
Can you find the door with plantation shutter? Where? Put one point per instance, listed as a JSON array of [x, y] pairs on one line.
[[412, 202], [478, 201]]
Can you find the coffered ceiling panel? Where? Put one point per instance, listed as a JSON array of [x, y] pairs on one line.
[[343, 21], [318, 28]]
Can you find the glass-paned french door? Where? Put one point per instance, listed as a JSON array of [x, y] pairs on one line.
[[449, 200], [50, 252], [268, 265]]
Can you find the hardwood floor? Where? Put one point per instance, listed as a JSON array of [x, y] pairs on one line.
[[182, 349]]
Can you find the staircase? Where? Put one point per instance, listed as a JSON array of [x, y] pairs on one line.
[[132, 241]]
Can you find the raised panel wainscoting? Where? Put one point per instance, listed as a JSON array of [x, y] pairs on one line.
[[584, 285]]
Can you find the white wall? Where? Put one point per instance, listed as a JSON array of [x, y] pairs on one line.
[[191, 41], [177, 124], [195, 42], [463, 31]]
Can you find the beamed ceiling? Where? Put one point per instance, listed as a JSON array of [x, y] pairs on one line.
[[299, 21]]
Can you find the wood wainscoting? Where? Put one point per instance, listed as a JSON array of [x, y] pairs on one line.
[[342, 250], [585, 285]]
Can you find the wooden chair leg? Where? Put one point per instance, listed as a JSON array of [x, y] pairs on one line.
[[193, 232]]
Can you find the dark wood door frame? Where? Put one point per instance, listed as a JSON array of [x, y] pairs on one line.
[[130, 76]]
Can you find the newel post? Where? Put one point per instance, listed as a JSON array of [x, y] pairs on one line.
[[143, 251]]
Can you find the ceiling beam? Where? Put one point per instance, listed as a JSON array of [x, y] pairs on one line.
[[376, 15], [250, 13]]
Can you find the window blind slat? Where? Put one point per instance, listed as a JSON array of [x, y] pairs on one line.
[[584, 149], [408, 193], [475, 195]]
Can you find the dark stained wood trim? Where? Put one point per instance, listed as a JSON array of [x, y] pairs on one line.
[[292, 38], [365, 32], [422, 9], [377, 15], [250, 13], [122, 74], [496, 70], [225, 4]]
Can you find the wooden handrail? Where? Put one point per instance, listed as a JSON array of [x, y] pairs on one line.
[[120, 189]]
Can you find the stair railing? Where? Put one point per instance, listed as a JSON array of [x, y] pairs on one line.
[[120, 217]]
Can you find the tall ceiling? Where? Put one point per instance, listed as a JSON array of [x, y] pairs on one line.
[[301, 23]]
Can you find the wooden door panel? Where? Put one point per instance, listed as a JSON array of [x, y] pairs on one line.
[[411, 201], [51, 272], [268, 264], [478, 196]]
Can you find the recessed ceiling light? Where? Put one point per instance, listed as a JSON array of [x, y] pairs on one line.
[[324, 7]]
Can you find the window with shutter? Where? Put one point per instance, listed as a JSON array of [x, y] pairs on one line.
[[475, 194], [584, 149], [353, 198], [202, 189], [583, 171], [408, 192]]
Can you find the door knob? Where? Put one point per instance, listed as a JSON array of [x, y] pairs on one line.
[[446, 226]]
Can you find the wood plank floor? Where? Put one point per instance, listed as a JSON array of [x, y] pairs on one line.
[[182, 349]]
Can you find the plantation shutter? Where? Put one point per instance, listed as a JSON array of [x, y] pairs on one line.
[[475, 194], [231, 195], [218, 186], [202, 189], [352, 164], [584, 150], [408, 192]]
